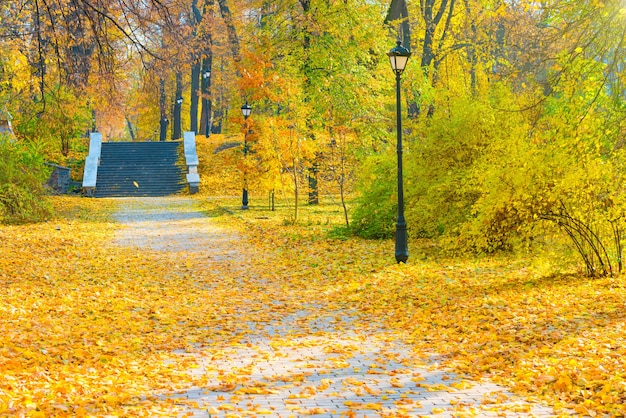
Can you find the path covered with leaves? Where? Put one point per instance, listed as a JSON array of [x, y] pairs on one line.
[[294, 353], [167, 307]]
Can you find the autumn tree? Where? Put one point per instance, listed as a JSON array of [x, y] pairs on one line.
[[77, 44], [569, 173], [434, 18], [523, 146], [323, 81]]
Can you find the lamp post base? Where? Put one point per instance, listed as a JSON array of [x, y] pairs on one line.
[[402, 247]]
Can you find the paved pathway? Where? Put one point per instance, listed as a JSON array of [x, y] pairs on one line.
[[311, 362]]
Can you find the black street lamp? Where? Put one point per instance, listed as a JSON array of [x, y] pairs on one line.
[[177, 122], [399, 56], [246, 109]]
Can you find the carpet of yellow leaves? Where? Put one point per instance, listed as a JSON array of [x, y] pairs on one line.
[[80, 335], [87, 328], [555, 337]]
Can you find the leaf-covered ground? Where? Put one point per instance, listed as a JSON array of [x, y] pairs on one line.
[[89, 327], [554, 337]]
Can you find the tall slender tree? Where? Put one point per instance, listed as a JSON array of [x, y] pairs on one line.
[[178, 102]]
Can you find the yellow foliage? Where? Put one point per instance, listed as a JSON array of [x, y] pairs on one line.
[[89, 328], [218, 157]]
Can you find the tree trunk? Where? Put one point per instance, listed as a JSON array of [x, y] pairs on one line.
[[205, 82], [342, 177], [307, 70], [217, 119], [195, 96], [81, 47], [430, 24], [205, 117], [429, 53], [94, 126], [314, 197], [296, 190], [131, 129], [233, 39], [162, 106], [398, 10], [163, 128], [177, 131], [196, 71]]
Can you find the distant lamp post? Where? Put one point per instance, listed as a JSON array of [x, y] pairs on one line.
[[246, 109], [399, 56], [207, 131], [177, 122]]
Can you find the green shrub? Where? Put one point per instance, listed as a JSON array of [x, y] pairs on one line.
[[486, 179], [439, 153], [22, 177], [55, 124], [376, 208]]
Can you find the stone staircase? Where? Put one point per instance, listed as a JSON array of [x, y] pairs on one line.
[[140, 169]]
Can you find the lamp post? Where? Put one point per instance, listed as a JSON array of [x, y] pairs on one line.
[[207, 78], [246, 109], [399, 56], [177, 122]]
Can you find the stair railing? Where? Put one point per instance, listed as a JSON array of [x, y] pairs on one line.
[[191, 159], [92, 162]]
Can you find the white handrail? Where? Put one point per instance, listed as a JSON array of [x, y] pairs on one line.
[[191, 159], [92, 162]]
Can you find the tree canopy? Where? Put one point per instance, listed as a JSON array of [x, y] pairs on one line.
[[516, 108]]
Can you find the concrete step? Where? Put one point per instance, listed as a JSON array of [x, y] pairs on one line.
[[140, 169]]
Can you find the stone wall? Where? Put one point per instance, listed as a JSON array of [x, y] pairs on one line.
[[59, 180]]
